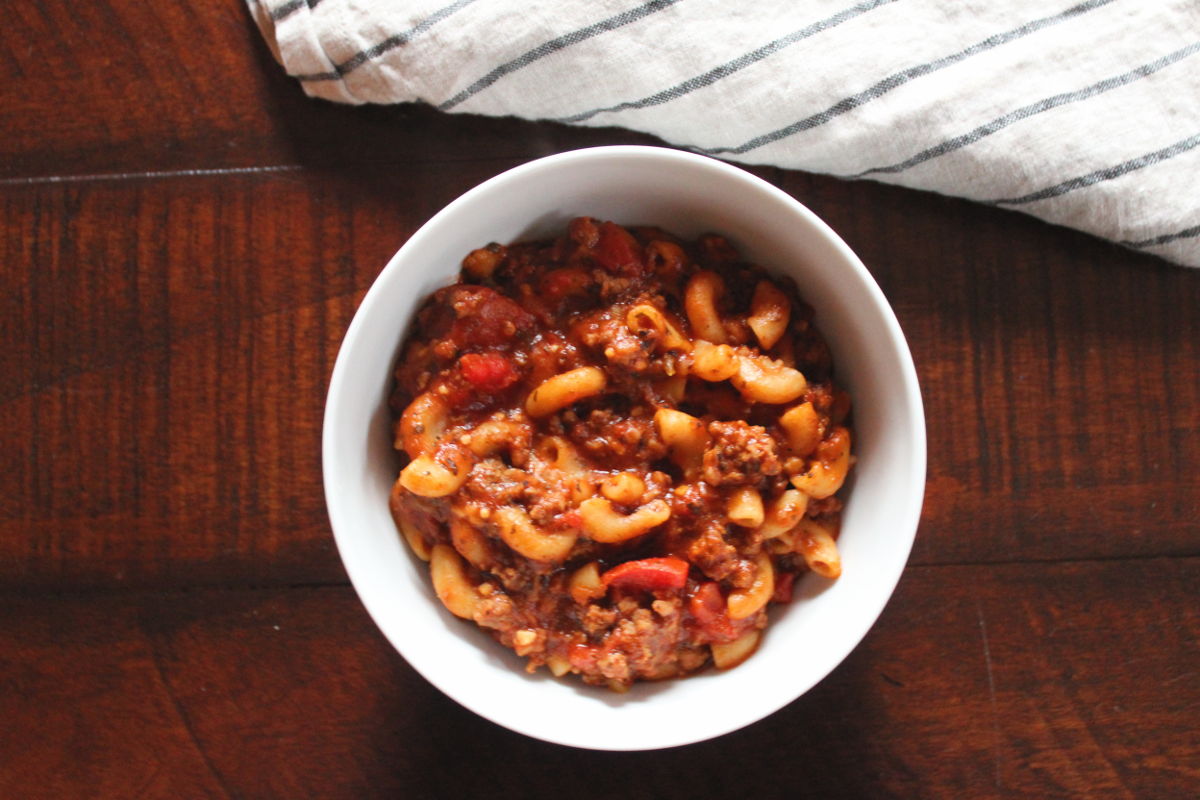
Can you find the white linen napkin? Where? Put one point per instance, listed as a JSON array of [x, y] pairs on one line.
[[1085, 114]]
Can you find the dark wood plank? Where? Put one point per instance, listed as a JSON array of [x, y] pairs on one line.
[[120, 86], [1059, 375], [1008, 681], [167, 346], [185, 238], [166, 358]]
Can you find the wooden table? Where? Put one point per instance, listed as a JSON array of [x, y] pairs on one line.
[[185, 239]]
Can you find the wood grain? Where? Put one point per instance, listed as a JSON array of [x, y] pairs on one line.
[[134, 88], [983, 682], [173, 368], [185, 237], [1059, 375], [170, 343]]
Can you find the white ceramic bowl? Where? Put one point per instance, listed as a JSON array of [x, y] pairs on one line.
[[688, 195]]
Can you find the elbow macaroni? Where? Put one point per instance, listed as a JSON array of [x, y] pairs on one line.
[[450, 582], [714, 362], [764, 380], [828, 471], [770, 312], [470, 543], [625, 488], [565, 389], [700, 302], [744, 602], [436, 477], [815, 542], [603, 523], [422, 425], [802, 425], [728, 655], [685, 437], [665, 333], [785, 511], [520, 533], [744, 507], [585, 583]]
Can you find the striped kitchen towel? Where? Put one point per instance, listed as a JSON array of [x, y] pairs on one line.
[[1085, 114]]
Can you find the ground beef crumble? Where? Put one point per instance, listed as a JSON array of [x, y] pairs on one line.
[[740, 454]]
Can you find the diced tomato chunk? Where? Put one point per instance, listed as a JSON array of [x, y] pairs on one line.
[[648, 574], [707, 606], [784, 583], [485, 318], [567, 520], [488, 372], [458, 393], [617, 251], [558, 284]]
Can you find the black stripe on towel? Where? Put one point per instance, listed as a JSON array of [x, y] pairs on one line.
[[390, 43], [730, 67], [987, 129], [898, 79], [287, 9], [1106, 174], [554, 45], [1186, 233]]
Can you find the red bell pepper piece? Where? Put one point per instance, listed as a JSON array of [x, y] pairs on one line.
[[648, 574]]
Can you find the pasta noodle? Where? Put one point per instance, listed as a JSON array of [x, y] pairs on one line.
[[684, 436], [802, 425], [585, 583], [562, 390], [432, 477], [700, 300], [714, 362], [518, 532], [645, 317], [470, 543], [415, 540], [770, 311], [828, 471], [729, 655], [745, 507], [624, 488], [450, 582], [815, 542], [744, 602], [764, 380], [783, 514], [421, 425], [618, 449], [603, 523]]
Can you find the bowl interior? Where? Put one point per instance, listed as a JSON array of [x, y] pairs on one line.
[[687, 195]]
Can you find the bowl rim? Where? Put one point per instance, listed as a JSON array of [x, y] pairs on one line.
[[913, 491]]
